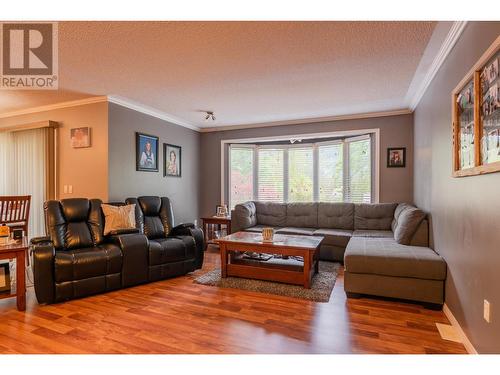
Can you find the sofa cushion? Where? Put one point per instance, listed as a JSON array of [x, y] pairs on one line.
[[384, 256], [336, 215], [302, 215], [246, 215], [397, 212], [373, 233], [335, 237], [271, 214], [374, 216], [118, 218], [296, 230], [84, 263], [407, 224]]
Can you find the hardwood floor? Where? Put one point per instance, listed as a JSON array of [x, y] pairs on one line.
[[179, 316]]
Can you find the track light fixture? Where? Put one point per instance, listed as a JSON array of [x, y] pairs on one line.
[[210, 116]]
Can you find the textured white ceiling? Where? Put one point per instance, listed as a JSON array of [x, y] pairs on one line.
[[247, 72]]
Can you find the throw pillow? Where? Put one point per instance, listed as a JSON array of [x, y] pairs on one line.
[[118, 217], [407, 224]]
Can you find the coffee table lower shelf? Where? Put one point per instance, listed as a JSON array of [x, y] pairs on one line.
[[292, 272]]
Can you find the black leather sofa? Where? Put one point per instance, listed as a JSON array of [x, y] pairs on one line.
[[75, 259]]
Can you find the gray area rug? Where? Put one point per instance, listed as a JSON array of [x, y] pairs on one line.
[[321, 288]]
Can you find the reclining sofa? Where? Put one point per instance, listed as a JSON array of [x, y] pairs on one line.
[[384, 247], [75, 259]]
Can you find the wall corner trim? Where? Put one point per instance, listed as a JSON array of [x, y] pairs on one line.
[[454, 322], [451, 39], [50, 107], [127, 103]]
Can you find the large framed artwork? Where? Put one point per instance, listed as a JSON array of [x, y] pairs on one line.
[[476, 117], [146, 151], [172, 160]]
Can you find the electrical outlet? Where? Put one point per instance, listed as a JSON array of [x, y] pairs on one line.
[[486, 311]]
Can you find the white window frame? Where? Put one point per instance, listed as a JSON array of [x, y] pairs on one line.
[[353, 135]]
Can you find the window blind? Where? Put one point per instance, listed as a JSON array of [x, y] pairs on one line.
[[358, 179], [300, 175], [241, 175], [330, 173], [270, 175]]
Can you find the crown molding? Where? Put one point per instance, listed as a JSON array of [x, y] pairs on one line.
[[357, 116], [451, 39], [51, 107], [127, 103]]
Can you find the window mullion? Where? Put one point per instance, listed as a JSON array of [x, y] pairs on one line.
[[285, 175], [256, 173]]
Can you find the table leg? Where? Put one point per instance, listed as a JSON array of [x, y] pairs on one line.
[[223, 260], [316, 260], [307, 270], [21, 280]]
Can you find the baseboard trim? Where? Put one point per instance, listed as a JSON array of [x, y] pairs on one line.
[[454, 322]]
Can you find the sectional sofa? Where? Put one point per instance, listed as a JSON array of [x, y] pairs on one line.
[[384, 247]]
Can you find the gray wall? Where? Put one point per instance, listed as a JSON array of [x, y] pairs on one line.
[[125, 181], [396, 184], [465, 211]]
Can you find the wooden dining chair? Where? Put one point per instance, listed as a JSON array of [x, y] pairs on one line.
[[15, 212]]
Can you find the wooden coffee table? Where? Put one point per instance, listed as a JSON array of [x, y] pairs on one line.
[[306, 247], [17, 251]]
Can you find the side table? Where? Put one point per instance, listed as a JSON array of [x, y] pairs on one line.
[[17, 251], [213, 224]]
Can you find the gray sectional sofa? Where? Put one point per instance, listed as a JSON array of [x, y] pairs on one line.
[[384, 247]]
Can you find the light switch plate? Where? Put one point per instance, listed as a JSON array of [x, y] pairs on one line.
[[486, 311]]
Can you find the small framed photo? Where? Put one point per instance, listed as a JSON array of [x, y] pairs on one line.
[[396, 157], [80, 137], [221, 211], [172, 160], [146, 151]]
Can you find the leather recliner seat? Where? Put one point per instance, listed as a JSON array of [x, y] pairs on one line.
[[173, 250], [76, 259]]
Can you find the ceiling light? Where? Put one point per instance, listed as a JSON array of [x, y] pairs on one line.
[[210, 116]]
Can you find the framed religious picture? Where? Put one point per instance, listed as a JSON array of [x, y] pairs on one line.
[[172, 160], [80, 137], [396, 157], [146, 152]]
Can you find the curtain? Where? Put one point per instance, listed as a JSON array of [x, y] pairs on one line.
[[23, 171]]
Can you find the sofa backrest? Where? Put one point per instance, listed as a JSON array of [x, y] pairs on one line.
[[336, 215], [74, 223], [153, 215], [302, 215], [374, 216], [406, 222], [272, 214]]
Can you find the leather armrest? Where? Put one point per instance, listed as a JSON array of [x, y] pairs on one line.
[[43, 252], [118, 232], [135, 252], [199, 239], [181, 230]]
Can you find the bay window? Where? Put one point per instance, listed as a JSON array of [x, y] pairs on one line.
[[334, 171]]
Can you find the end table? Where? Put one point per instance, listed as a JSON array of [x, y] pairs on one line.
[[18, 251], [212, 224]]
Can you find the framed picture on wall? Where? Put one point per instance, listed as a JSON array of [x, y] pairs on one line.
[[172, 160], [80, 137], [396, 157], [146, 151]]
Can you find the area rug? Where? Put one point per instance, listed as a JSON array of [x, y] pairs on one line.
[[321, 288]]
